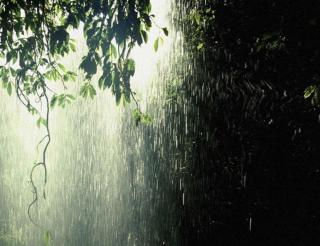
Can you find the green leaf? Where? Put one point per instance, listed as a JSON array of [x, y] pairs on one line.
[[118, 95], [156, 45], [71, 97], [144, 35], [72, 75], [72, 47], [84, 91], [12, 72], [9, 57], [148, 7], [89, 65], [44, 61], [88, 90], [138, 116], [101, 82], [157, 42], [309, 91], [197, 18], [113, 51], [200, 46], [61, 67], [147, 21], [41, 121], [130, 67], [92, 91], [165, 30], [47, 238], [146, 119], [53, 101], [105, 81], [72, 20], [9, 88]]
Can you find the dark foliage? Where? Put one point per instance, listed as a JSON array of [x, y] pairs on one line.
[[254, 177]]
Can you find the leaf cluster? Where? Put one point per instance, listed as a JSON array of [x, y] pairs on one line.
[[141, 117], [35, 35]]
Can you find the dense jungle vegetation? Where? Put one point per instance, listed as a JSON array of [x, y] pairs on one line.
[[254, 172], [243, 105]]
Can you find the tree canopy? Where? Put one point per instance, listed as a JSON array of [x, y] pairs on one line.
[[35, 34]]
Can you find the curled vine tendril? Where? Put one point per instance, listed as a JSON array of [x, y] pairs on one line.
[[25, 100], [43, 163]]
